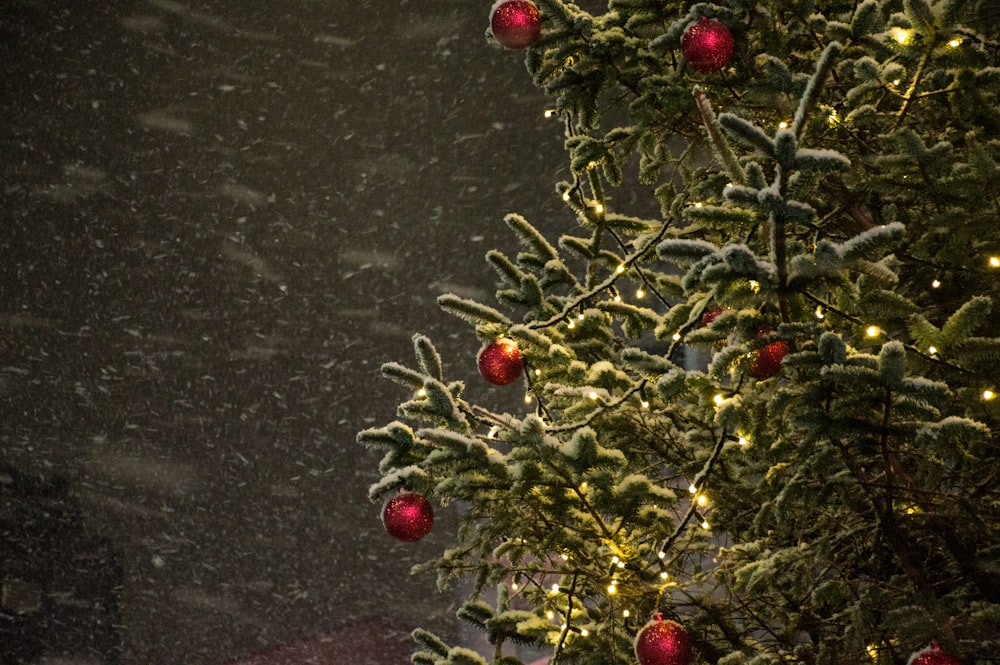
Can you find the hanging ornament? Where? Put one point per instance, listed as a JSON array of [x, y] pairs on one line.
[[663, 643], [711, 315], [707, 45], [933, 655], [515, 24], [767, 360], [500, 363], [408, 516]]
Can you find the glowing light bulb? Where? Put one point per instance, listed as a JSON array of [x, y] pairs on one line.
[[819, 312], [640, 294], [617, 298], [584, 632], [718, 399], [549, 113], [538, 372], [612, 589], [702, 499], [527, 398], [935, 284], [662, 554], [692, 489], [994, 262], [664, 575], [743, 441], [989, 395], [513, 586], [705, 525], [932, 350], [626, 613], [901, 35], [565, 196], [555, 589], [584, 486], [955, 43], [698, 204], [571, 324], [550, 615], [422, 393], [620, 269], [754, 285], [873, 331], [598, 208], [621, 564], [644, 404], [782, 125], [676, 337], [592, 394]]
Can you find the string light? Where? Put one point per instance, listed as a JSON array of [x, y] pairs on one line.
[[592, 394], [527, 398], [676, 337], [550, 615], [754, 286], [955, 42], [598, 208], [612, 589], [819, 312], [620, 269], [571, 324], [901, 35], [782, 125], [705, 525], [626, 613], [644, 404], [994, 262], [718, 399], [935, 284], [698, 204], [583, 488], [538, 372], [932, 349], [584, 632], [555, 589], [692, 489], [743, 441], [549, 113], [989, 395], [640, 294], [565, 196], [701, 499], [422, 393], [873, 331], [664, 575]]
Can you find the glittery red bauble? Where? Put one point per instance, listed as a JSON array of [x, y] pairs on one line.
[[515, 23], [707, 45], [767, 360], [408, 516], [500, 363], [933, 655], [663, 643], [711, 315]]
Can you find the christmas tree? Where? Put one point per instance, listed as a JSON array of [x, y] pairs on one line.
[[759, 422]]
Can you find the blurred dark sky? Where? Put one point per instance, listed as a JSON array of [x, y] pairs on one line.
[[218, 220]]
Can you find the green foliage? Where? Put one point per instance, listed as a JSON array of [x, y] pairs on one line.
[[842, 507]]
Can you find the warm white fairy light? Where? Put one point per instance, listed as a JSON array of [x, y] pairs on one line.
[[936, 284], [718, 399], [598, 208], [662, 554], [550, 615], [527, 398], [565, 196], [701, 499], [640, 293], [612, 589], [592, 394], [620, 269], [743, 441], [819, 312], [571, 324], [564, 556], [955, 42], [581, 317], [994, 262], [932, 349], [422, 393], [782, 125], [538, 372], [873, 331], [698, 204], [901, 35], [513, 586], [584, 632], [555, 589], [705, 525], [664, 575], [644, 404], [617, 298], [692, 489], [626, 613], [676, 337], [550, 113], [989, 395], [754, 286]]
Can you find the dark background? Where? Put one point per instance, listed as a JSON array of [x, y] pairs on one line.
[[218, 220]]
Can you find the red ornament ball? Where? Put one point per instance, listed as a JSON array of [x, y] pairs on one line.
[[711, 315], [500, 363], [408, 516], [663, 643], [515, 24], [707, 45], [767, 360], [933, 655]]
